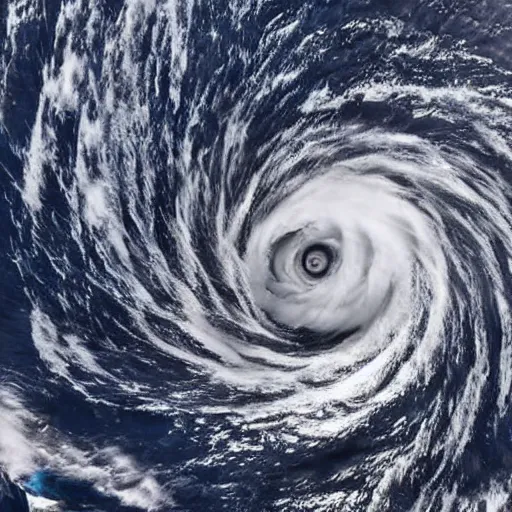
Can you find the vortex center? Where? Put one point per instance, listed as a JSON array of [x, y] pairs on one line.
[[316, 260]]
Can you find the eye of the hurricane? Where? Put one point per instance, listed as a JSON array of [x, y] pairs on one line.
[[317, 260]]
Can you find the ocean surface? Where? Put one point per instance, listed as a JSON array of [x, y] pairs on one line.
[[256, 255]]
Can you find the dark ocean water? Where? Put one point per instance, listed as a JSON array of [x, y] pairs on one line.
[[165, 167]]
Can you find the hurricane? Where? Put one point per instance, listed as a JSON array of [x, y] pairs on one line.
[[256, 256]]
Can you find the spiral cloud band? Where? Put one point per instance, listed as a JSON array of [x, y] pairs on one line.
[[265, 253]]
